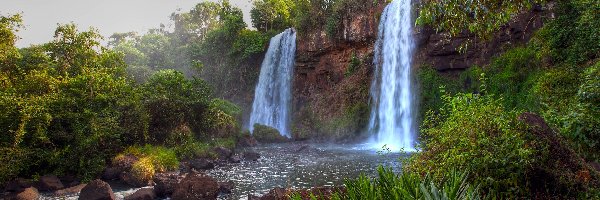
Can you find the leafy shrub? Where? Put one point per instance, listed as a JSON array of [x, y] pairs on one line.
[[175, 103], [143, 170], [161, 158], [250, 43], [354, 64], [194, 149], [474, 132], [573, 37], [431, 83], [556, 90], [582, 124], [389, 185]]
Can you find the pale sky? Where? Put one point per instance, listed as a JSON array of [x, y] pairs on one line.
[[109, 16]]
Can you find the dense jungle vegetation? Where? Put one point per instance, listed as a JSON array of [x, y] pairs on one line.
[[72, 105]]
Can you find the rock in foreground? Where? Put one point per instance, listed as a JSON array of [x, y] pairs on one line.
[[142, 194], [196, 186], [97, 190], [28, 194], [50, 183], [251, 156]]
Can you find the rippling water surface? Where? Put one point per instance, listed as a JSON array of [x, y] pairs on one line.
[[291, 165], [302, 166]]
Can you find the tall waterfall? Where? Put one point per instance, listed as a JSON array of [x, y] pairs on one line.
[[272, 97], [392, 114]]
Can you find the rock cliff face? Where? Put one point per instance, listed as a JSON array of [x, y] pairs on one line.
[[437, 50], [332, 76]]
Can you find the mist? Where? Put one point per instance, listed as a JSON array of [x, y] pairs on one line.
[[41, 17]]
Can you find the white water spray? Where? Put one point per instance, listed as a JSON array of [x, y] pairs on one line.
[[272, 96], [392, 118]]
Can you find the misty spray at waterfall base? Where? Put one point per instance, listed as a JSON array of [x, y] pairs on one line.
[[272, 96], [392, 120]]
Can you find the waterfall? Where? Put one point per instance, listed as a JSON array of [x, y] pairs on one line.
[[392, 114], [272, 96]]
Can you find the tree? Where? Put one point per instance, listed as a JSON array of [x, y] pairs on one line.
[[272, 14], [197, 22], [479, 17]]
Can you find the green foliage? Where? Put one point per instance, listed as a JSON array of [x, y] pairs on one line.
[[389, 185], [316, 14], [161, 158], [272, 14], [250, 43], [194, 149], [574, 36], [582, 122], [226, 106], [63, 100], [474, 132], [511, 75], [175, 104], [151, 160], [433, 85], [355, 62], [480, 17]]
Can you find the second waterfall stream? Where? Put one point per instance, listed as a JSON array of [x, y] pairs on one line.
[[392, 120], [272, 96]]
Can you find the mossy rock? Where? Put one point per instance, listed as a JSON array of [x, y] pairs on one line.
[[266, 134]]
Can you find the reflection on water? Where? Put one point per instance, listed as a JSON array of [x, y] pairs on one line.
[[301, 166]]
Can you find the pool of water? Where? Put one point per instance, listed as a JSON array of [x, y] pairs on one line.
[[291, 165], [302, 166]]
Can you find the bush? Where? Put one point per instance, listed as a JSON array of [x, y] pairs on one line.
[[161, 158], [474, 132], [582, 124], [432, 85], [355, 63], [574, 36], [389, 185], [194, 149]]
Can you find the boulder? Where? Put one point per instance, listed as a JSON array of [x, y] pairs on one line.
[[165, 184], [135, 181], [561, 168], [29, 193], [124, 162], [226, 187], [17, 185], [201, 164], [253, 197], [69, 191], [235, 159], [97, 190], [251, 156], [69, 181], [142, 194], [111, 173], [196, 186], [266, 134], [246, 141], [223, 153], [49, 183]]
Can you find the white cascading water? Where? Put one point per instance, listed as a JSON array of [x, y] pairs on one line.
[[272, 96], [392, 120]]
